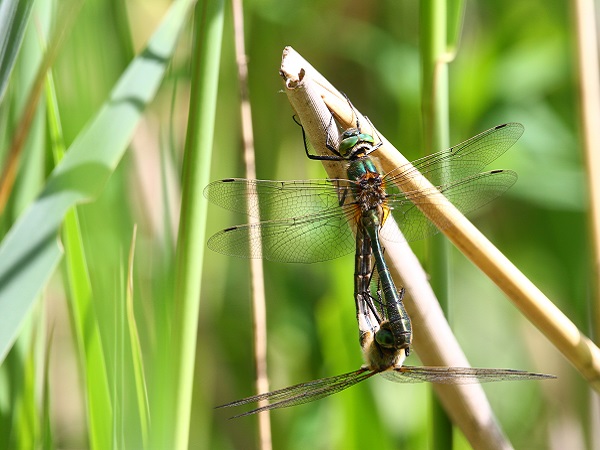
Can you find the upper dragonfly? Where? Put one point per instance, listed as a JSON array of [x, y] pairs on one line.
[[307, 221]]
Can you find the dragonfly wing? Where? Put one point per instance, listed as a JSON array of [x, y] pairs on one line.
[[462, 160], [467, 195], [305, 239], [458, 375], [304, 392], [272, 200]]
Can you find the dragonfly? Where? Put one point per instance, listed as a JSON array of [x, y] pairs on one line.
[[387, 360], [384, 325], [307, 221]]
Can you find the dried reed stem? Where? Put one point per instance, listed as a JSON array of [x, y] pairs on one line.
[[259, 313], [589, 80], [589, 89]]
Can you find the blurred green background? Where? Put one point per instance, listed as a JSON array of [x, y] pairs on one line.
[[516, 62]]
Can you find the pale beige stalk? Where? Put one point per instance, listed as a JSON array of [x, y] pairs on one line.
[[589, 94], [259, 311], [589, 85]]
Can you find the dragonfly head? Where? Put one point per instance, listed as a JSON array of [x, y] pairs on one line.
[[389, 338], [383, 349], [354, 144], [385, 338]]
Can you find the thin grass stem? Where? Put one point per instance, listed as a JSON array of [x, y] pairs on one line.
[[259, 311]]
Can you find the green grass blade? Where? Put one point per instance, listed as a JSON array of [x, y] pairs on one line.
[[22, 131], [136, 350], [455, 14], [14, 15], [99, 408], [84, 319], [29, 252], [31, 173], [22, 369], [25, 420], [208, 30], [46, 431]]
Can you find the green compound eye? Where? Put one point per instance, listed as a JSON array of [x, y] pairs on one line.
[[385, 338], [363, 137], [347, 145]]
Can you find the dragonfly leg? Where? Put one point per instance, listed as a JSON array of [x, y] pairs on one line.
[[369, 318], [379, 144], [336, 155], [372, 147], [353, 109], [375, 303], [342, 194], [367, 315]]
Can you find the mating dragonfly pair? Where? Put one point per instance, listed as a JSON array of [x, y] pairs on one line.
[[312, 220]]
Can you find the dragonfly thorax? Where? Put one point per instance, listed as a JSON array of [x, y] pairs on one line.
[[370, 193], [368, 188]]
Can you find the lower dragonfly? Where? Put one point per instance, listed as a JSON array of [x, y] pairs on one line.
[[384, 350]]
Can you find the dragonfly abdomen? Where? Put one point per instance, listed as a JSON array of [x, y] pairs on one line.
[[366, 314]]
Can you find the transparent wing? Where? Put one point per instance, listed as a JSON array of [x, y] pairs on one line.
[[462, 160], [300, 222], [324, 234], [304, 392], [307, 239], [272, 200], [468, 194], [458, 375]]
